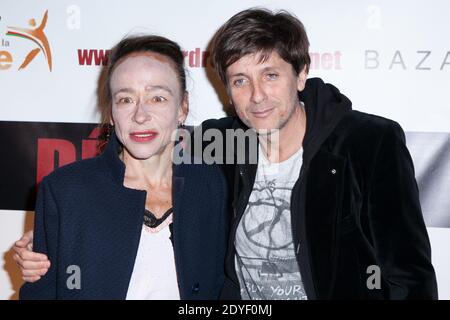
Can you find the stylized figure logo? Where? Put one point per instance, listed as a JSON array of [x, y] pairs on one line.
[[37, 35]]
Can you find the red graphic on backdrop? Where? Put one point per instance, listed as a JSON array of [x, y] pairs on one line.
[[88, 56], [55, 153]]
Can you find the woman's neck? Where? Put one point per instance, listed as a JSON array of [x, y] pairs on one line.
[[155, 171]]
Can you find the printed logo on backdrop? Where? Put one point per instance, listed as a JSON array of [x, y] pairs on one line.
[[195, 58], [22, 36], [198, 58], [424, 59], [33, 150], [402, 60]]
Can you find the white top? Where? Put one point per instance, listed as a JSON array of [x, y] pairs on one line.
[[265, 262], [154, 275]]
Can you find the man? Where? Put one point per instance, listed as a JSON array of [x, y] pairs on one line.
[[334, 213]]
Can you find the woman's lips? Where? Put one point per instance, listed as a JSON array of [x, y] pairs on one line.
[[143, 136]]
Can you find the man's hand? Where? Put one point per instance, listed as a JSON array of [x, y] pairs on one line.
[[33, 265]]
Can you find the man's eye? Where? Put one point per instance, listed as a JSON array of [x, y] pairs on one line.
[[238, 82], [125, 100], [272, 76], [159, 99]]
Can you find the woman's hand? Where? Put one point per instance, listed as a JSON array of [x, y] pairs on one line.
[[33, 265]]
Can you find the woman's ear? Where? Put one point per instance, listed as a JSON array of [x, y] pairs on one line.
[[111, 121]]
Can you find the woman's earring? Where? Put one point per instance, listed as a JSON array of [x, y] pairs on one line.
[[109, 130], [105, 134]]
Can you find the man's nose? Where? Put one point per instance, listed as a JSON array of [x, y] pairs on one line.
[[258, 93]]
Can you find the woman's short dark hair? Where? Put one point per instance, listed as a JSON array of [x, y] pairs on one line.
[[136, 44], [260, 30]]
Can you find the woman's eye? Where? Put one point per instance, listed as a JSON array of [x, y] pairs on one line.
[[125, 100]]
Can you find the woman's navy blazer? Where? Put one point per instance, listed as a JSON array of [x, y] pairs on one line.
[[89, 225]]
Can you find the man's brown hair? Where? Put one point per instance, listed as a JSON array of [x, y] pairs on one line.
[[259, 30]]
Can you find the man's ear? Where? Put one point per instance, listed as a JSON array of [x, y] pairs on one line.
[[301, 79], [184, 110]]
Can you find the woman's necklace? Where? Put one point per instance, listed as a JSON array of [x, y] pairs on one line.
[[151, 221]]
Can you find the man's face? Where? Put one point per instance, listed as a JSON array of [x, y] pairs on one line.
[[265, 94]]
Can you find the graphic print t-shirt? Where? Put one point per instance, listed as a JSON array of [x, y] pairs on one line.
[[265, 260]]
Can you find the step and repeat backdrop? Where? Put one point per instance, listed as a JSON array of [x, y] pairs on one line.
[[391, 58]]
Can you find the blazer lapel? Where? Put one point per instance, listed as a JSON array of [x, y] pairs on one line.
[[179, 224], [323, 204]]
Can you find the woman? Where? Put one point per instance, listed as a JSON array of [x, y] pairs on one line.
[[129, 224]]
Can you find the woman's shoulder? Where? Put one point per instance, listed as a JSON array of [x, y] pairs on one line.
[[75, 171]]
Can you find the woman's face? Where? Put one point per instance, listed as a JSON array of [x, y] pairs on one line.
[[147, 104]]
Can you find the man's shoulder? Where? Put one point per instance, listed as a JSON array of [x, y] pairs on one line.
[[358, 129], [221, 124], [365, 123], [367, 119]]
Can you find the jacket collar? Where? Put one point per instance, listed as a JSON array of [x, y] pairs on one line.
[[115, 165], [325, 106], [111, 158], [247, 171]]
